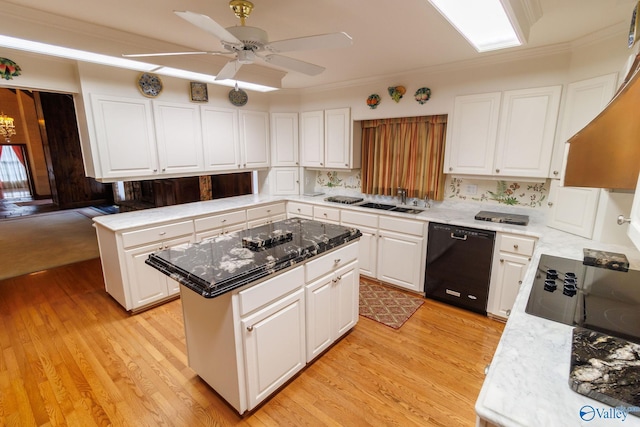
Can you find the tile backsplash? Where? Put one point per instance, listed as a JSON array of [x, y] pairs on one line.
[[531, 194]]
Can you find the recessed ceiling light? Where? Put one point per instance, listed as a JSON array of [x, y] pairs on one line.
[[484, 23]]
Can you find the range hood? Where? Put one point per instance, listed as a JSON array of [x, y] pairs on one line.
[[606, 153]]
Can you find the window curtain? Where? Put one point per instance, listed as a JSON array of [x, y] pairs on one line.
[[13, 173], [404, 153]]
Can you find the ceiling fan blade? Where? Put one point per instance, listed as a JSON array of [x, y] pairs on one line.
[[322, 41], [294, 64], [209, 25], [141, 55], [229, 70]]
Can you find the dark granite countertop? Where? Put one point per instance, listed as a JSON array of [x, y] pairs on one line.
[[221, 264], [606, 369]]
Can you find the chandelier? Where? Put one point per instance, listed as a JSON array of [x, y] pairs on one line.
[[7, 128]]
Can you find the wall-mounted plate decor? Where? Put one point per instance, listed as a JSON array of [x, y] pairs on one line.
[[373, 101], [238, 97], [9, 69], [150, 85], [633, 29], [198, 92], [422, 95], [396, 92]]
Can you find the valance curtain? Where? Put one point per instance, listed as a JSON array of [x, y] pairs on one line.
[[404, 153]]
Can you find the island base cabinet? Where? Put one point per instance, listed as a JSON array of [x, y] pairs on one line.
[[332, 308], [274, 346]]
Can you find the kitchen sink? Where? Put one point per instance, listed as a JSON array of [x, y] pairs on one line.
[[392, 208]]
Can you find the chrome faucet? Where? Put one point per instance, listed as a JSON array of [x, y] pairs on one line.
[[403, 195], [427, 202]]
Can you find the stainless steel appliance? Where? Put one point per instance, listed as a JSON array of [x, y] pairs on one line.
[[600, 299], [503, 217], [459, 265], [345, 200]]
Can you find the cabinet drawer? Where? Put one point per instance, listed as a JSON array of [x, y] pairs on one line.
[[157, 234], [299, 209], [330, 262], [517, 244], [265, 211], [322, 213], [400, 225], [270, 290], [359, 218], [219, 221]]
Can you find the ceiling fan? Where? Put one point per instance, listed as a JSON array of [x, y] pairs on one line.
[[251, 43]]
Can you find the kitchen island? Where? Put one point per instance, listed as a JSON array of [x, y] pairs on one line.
[[260, 304]]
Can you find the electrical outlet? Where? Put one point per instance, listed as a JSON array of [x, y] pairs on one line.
[[471, 189]]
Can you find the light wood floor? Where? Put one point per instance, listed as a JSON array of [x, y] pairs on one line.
[[70, 355]]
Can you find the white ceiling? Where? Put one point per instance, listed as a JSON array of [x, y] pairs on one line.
[[390, 37]]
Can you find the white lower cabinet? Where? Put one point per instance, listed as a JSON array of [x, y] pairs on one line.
[[332, 308], [510, 263], [249, 342], [300, 210], [392, 249], [215, 225], [265, 214]]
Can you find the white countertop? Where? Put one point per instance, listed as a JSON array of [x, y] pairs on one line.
[[527, 383]]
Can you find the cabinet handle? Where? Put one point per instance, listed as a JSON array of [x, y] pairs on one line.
[[497, 170], [622, 220], [515, 247], [550, 204], [338, 278], [346, 164], [162, 233], [224, 220], [321, 164], [299, 210], [337, 261], [297, 163], [519, 282], [268, 210], [501, 260], [450, 169], [250, 328], [508, 312], [155, 170], [164, 169], [556, 173]]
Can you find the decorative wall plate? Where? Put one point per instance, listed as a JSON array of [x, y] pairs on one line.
[[238, 97], [422, 95], [150, 85], [199, 92], [9, 69], [396, 92], [633, 29], [373, 101]]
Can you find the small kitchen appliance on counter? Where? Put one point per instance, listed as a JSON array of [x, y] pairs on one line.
[[503, 217], [345, 200]]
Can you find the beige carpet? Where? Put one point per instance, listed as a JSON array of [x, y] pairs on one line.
[[39, 242]]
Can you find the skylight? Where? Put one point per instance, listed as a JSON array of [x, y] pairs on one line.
[[113, 61], [484, 23]]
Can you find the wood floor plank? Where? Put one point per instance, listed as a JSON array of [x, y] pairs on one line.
[[70, 355]]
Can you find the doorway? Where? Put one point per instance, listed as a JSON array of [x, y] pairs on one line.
[[14, 173]]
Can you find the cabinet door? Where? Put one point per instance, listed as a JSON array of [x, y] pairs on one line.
[[146, 284], [254, 137], [284, 181], [573, 209], [312, 139], [634, 226], [220, 138], [368, 247], [124, 136], [337, 135], [399, 259], [585, 100], [320, 333], [346, 299], [274, 346], [284, 139], [179, 137], [470, 149], [511, 271], [527, 131]]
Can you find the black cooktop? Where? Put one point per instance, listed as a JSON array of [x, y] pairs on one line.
[[567, 291], [506, 218]]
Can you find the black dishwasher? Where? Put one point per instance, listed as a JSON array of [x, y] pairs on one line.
[[459, 265]]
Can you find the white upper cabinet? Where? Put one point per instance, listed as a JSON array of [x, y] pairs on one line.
[[284, 139], [220, 137], [312, 139], [585, 100], [329, 140], [254, 138], [179, 137], [507, 134], [527, 130], [471, 147], [125, 137], [634, 225]]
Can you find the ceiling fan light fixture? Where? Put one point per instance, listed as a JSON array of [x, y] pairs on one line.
[[242, 9], [246, 56]]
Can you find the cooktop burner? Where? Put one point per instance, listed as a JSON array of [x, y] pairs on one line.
[[506, 218], [567, 291], [345, 200]]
